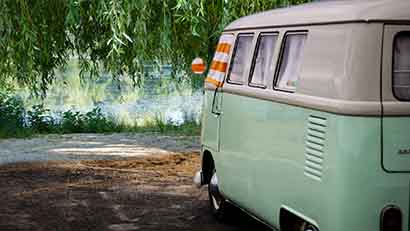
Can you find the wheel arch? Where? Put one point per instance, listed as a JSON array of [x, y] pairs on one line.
[[288, 217], [208, 165]]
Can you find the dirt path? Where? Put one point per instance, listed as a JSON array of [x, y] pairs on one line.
[[92, 146], [148, 192]]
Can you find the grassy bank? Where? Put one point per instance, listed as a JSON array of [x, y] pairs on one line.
[[17, 122]]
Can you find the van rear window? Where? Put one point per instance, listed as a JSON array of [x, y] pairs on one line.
[[291, 61], [240, 57], [262, 65], [401, 66]]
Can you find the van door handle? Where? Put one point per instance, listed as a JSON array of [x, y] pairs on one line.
[[215, 105], [217, 114]]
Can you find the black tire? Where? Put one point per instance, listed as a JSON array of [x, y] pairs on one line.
[[311, 228], [303, 226], [219, 205]]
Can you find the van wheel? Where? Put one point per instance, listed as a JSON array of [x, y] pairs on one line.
[[291, 222], [304, 226], [219, 205], [310, 228]]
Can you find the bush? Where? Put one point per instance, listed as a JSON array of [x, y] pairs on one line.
[[11, 116], [40, 120], [15, 121], [97, 122], [91, 122], [159, 123], [71, 122]]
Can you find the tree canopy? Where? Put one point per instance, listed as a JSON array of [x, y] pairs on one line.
[[118, 36]]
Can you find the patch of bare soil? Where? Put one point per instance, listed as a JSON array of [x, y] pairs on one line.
[[140, 193], [165, 167]]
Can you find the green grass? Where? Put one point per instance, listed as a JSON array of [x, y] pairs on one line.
[[185, 129]]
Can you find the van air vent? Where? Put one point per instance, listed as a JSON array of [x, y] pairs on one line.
[[314, 147]]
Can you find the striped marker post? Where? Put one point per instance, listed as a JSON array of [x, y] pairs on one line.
[[219, 63]]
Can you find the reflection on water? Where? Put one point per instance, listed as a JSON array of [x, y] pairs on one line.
[[159, 97], [174, 109]]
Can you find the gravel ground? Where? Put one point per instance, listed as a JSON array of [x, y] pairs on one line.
[[92, 146], [111, 182]]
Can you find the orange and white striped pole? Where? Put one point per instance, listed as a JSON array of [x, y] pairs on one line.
[[219, 63]]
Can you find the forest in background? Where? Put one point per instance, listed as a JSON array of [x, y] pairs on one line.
[[112, 42]]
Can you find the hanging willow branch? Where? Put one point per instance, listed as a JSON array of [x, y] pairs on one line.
[[118, 36]]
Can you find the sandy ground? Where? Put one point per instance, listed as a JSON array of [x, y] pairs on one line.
[[114, 182]]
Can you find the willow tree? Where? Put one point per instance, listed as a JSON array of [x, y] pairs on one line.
[[118, 36]]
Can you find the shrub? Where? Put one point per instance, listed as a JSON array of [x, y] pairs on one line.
[[159, 123], [16, 122], [11, 116], [97, 122], [40, 120], [72, 122]]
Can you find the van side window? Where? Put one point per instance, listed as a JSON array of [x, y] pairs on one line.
[[291, 61], [262, 64], [241, 54], [401, 66]]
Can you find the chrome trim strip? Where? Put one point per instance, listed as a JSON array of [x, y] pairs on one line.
[[336, 106]]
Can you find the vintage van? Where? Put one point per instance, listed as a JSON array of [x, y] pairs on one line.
[[306, 117]]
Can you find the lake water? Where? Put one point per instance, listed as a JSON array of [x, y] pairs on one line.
[[159, 96]]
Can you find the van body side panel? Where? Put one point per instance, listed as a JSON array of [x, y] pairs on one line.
[[396, 144], [396, 117], [322, 165], [210, 123], [364, 188]]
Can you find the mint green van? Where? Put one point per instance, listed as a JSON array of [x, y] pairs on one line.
[[310, 129]]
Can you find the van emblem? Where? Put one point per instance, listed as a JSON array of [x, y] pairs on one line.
[[404, 151]]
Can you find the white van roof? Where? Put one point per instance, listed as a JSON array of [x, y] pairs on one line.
[[338, 11]]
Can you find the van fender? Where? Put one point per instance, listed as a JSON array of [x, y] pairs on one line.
[[204, 174], [207, 165]]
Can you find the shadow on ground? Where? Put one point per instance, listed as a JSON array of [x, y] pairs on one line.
[[115, 195]]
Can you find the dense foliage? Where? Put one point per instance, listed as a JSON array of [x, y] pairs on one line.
[[11, 116], [15, 121], [121, 36]]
